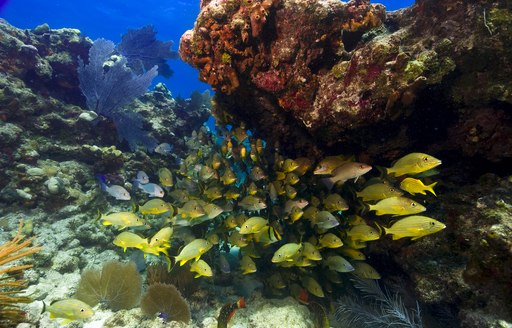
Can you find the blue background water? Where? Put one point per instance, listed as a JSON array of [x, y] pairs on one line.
[[111, 19]]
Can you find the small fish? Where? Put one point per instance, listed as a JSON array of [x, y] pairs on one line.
[[311, 252], [289, 165], [193, 250], [69, 309], [312, 286], [121, 219], [290, 204], [247, 265], [142, 177], [128, 239], [267, 236], [413, 163], [252, 189], [201, 268], [224, 263], [378, 191], [290, 191], [252, 203], [296, 214], [335, 203], [351, 170], [415, 226], [328, 164], [154, 250], [230, 222], [116, 191], [365, 271], [228, 311], [155, 206], [352, 253], [363, 232], [212, 210], [240, 134], [257, 174], [165, 177], [304, 164], [311, 213], [213, 193], [276, 281], [164, 149], [253, 225], [206, 173], [330, 240], [191, 209], [231, 194], [415, 186], [216, 161], [237, 239], [338, 264], [162, 237], [228, 177], [325, 220], [152, 189], [180, 196], [291, 179], [397, 206], [286, 252]]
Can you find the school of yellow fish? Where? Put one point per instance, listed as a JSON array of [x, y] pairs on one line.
[[300, 226]]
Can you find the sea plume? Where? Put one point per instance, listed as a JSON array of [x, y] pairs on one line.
[[11, 277]]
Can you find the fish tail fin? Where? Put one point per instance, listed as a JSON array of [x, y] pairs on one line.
[[136, 183], [383, 171], [102, 180], [386, 230], [241, 303], [135, 207], [170, 266], [99, 215], [380, 228], [328, 182], [430, 188], [44, 307]]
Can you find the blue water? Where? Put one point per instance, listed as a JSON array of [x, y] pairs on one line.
[[111, 19]]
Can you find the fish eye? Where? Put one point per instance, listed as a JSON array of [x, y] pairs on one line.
[[425, 159], [82, 310], [432, 223], [413, 204], [391, 189]]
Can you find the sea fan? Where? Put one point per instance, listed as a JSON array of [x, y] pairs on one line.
[[166, 301], [376, 308]]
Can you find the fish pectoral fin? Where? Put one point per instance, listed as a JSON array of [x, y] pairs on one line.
[[416, 237], [52, 316], [197, 275]]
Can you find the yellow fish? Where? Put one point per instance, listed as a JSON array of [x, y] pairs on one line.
[[286, 252], [338, 264], [296, 213], [415, 226], [206, 173], [69, 309], [122, 220], [191, 209], [304, 164], [290, 191], [328, 164], [252, 203], [154, 250], [330, 240], [335, 203], [365, 271], [267, 236], [352, 253], [289, 165], [412, 164], [252, 189], [257, 174], [165, 177], [397, 206], [192, 250], [230, 222], [253, 225], [212, 210], [247, 265], [378, 191], [128, 239], [351, 170], [213, 193], [276, 281], [228, 177], [201, 268], [415, 186], [312, 286], [311, 252], [162, 237], [363, 232], [155, 206], [231, 194], [236, 239], [291, 179]]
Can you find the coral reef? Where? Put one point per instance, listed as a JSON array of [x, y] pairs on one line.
[[118, 285], [389, 81], [165, 301]]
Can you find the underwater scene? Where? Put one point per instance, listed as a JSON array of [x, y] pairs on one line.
[[256, 164]]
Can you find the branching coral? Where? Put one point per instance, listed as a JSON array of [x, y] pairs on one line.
[[118, 284], [11, 277]]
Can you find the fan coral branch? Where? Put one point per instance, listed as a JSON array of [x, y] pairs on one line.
[[11, 283]]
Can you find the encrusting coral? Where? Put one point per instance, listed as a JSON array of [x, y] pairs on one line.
[[11, 277]]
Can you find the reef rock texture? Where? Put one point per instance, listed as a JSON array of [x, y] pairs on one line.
[[50, 145], [329, 75]]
